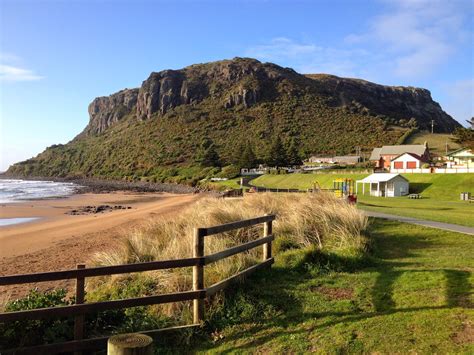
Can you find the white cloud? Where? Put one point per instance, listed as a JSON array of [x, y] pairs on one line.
[[282, 47], [307, 57], [414, 36], [12, 73]]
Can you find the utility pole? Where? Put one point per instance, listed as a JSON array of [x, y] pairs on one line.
[[432, 126]]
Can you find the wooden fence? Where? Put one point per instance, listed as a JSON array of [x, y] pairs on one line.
[[197, 294]]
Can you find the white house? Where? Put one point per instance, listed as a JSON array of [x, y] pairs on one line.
[[463, 157], [407, 161], [384, 185]]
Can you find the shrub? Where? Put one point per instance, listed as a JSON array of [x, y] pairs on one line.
[[229, 172]]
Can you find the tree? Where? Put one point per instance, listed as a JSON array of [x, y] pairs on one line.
[[247, 157], [277, 153], [464, 137], [292, 154], [207, 155]]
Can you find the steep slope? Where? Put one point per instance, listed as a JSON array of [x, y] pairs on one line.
[[394, 102], [154, 131]]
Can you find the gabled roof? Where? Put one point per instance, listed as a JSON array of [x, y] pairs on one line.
[[460, 150], [400, 149], [375, 155], [416, 156], [380, 177], [418, 149]]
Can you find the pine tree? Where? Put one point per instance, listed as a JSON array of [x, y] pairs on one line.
[[292, 155], [207, 155], [277, 154], [247, 157]]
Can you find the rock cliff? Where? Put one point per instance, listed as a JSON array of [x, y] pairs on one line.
[[395, 102], [246, 82]]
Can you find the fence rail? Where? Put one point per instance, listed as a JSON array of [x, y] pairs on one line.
[[197, 294]]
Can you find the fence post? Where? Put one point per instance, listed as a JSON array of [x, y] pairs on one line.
[[79, 319], [267, 247], [198, 274]]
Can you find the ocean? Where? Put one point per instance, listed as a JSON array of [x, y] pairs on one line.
[[21, 190]]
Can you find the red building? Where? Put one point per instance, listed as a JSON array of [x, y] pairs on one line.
[[383, 156]]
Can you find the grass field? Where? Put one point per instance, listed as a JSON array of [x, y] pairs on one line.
[[440, 194], [414, 296], [436, 142]]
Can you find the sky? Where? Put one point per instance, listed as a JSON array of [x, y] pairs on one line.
[[57, 56]]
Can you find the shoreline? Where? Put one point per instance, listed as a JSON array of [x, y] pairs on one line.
[[60, 240], [95, 185]]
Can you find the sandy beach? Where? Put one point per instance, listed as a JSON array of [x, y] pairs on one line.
[[67, 233]]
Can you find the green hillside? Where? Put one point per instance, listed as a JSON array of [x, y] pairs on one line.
[[436, 142]]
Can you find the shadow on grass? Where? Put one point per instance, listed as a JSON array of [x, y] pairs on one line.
[[269, 307], [418, 187]]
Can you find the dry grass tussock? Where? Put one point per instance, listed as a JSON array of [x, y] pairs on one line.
[[303, 219]]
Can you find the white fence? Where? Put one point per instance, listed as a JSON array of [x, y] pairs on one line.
[[434, 170]]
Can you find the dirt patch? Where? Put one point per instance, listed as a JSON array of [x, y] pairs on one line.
[[465, 335], [334, 293]]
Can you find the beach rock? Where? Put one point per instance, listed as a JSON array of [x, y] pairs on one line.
[[85, 210]]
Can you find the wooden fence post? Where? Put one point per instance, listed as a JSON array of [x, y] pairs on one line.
[[198, 274], [267, 247], [79, 320]]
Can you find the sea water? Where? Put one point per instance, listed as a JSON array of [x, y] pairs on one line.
[[21, 190], [24, 190]]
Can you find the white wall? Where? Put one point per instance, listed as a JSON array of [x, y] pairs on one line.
[[436, 171], [404, 159]]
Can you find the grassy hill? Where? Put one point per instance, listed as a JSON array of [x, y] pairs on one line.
[[154, 132], [436, 142]]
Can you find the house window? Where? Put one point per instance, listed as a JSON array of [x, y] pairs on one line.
[[398, 165], [411, 164]]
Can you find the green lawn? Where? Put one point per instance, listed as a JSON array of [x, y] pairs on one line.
[[457, 212], [440, 194], [222, 185], [414, 296]]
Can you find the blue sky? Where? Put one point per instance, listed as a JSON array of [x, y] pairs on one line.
[[57, 56]]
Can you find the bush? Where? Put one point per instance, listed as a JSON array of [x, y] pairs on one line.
[[229, 172], [26, 333]]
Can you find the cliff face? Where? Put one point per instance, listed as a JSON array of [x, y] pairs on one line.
[[229, 83], [107, 110], [394, 102], [246, 82]]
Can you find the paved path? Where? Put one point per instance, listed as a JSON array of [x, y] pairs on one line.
[[432, 224]]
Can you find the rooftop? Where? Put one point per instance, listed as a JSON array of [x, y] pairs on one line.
[[418, 149], [380, 177]]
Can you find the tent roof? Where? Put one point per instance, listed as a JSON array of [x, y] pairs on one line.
[[380, 177]]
